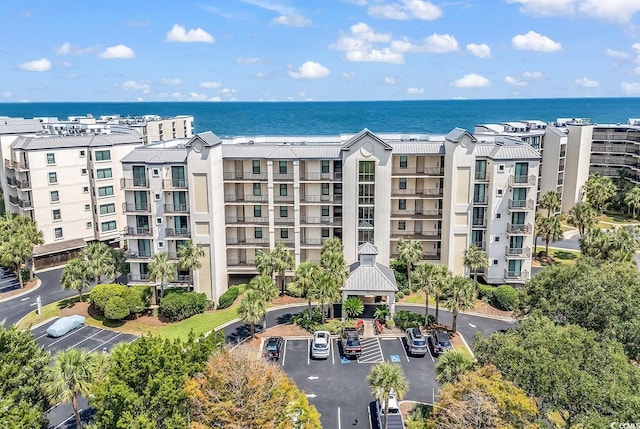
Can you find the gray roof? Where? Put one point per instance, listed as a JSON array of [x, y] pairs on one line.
[[60, 142], [156, 155], [208, 138], [20, 126], [457, 133], [281, 151], [371, 278], [367, 249], [418, 148], [557, 131], [518, 150], [353, 140]]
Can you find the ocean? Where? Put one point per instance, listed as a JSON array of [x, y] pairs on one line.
[[228, 119]]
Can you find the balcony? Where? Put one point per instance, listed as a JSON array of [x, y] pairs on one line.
[[136, 208], [417, 214], [241, 263], [248, 198], [282, 177], [12, 181], [517, 252], [137, 231], [248, 242], [283, 199], [422, 171], [244, 175], [14, 165], [313, 242], [181, 280], [21, 184], [140, 254], [176, 208], [14, 200], [519, 229], [247, 220], [481, 176], [320, 177], [174, 184], [25, 204], [306, 198], [177, 232], [481, 245], [138, 183], [521, 205], [481, 200], [138, 278], [433, 193], [516, 276], [419, 235], [479, 223], [284, 221], [323, 220], [522, 180], [430, 256]]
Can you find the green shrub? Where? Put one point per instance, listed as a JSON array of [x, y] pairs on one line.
[[408, 319], [101, 293], [335, 326], [227, 298], [485, 291], [390, 324], [401, 279], [136, 297], [181, 305], [306, 321], [116, 308], [292, 289], [399, 295], [505, 297], [353, 307]]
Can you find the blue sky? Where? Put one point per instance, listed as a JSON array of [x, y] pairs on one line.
[[263, 50]]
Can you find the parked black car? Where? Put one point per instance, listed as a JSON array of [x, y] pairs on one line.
[[439, 341], [272, 347]]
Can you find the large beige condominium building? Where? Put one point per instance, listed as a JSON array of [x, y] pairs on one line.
[[615, 150], [238, 196], [69, 185], [155, 128]]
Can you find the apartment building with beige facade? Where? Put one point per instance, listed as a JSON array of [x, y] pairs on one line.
[[615, 150], [235, 197]]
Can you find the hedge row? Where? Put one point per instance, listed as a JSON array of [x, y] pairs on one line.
[[133, 299], [504, 297], [227, 298], [179, 305]]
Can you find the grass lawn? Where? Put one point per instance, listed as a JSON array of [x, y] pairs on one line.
[[560, 256], [48, 311], [200, 323]]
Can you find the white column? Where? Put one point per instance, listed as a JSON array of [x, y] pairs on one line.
[[344, 299], [392, 303]]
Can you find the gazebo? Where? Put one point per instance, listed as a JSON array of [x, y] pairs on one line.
[[368, 277]]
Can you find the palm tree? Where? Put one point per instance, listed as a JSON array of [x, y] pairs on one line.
[[26, 228], [427, 278], [582, 216], [99, 260], [252, 307], [190, 257], [410, 252], [599, 189], [332, 245], [632, 198], [266, 288], [161, 270], [551, 231], [76, 275], [13, 254], [385, 379], [307, 275], [325, 291], [537, 230], [461, 296], [334, 266], [452, 364], [283, 260], [353, 307], [476, 259], [551, 201], [264, 262], [72, 373]]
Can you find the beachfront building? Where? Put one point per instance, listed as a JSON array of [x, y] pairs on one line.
[[154, 128], [615, 150], [237, 196]]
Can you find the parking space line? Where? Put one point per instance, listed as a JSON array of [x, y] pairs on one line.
[[308, 351], [284, 353], [43, 335], [429, 350], [68, 418], [406, 354], [333, 353], [82, 341], [339, 422], [65, 337]]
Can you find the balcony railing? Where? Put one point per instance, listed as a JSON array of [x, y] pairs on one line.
[[282, 177], [136, 207], [481, 199], [522, 180], [418, 192], [14, 165], [137, 230], [176, 208], [480, 245], [140, 254], [517, 276], [283, 198], [284, 220], [23, 184], [435, 234], [138, 183], [313, 241], [315, 176], [479, 222], [240, 262], [181, 279], [244, 175], [430, 256], [482, 176], [232, 198], [521, 204], [14, 200], [247, 220], [517, 252], [323, 220], [307, 198], [261, 242], [12, 181], [177, 232], [426, 171], [519, 228], [25, 204], [174, 184], [423, 213], [136, 278]]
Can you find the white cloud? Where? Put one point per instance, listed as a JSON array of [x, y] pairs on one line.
[[389, 80], [67, 49], [137, 85], [63, 49], [118, 51], [288, 16], [294, 20], [471, 81], [480, 51], [617, 54], [407, 9], [587, 83], [348, 75], [546, 7], [631, 88], [515, 82], [415, 90], [250, 61], [384, 55], [209, 85], [228, 91], [195, 35], [434, 44], [310, 70], [261, 75], [532, 75], [533, 41], [171, 81], [40, 65], [359, 46], [364, 32], [610, 10], [7, 94]]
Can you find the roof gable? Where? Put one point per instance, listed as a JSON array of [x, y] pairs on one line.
[[362, 134], [207, 138], [457, 134]]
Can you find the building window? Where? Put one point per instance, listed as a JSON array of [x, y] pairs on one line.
[[500, 192], [501, 168], [284, 233], [102, 155], [283, 190], [498, 215], [495, 262], [366, 194], [57, 232], [325, 189], [155, 172], [366, 171], [160, 244], [87, 207], [402, 204], [53, 178], [105, 191], [107, 208], [158, 221], [157, 197], [55, 196], [403, 161], [85, 189], [403, 183], [284, 212], [108, 226], [282, 167], [255, 164], [497, 239], [402, 225], [257, 190], [104, 173], [57, 215], [51, 158], [257, 211], [325, 232], [83, 154], [89, 225], [325, 211], [84, 171], [325, 165], [257, 232]]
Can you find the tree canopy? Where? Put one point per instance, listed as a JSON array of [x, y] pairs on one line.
[[616, 245]]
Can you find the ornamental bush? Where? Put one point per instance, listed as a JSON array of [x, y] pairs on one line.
[[179, 305], [116, 308], [136, 297], [505, 297], [408, 319], [227, 298], [486, 291], [103, 292]]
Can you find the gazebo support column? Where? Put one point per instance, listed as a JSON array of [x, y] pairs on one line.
[[344, 300], [392, 303]]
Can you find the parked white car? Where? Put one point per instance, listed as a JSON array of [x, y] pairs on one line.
[[320, 345], [64, 325]]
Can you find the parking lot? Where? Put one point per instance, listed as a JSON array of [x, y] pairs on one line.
[[8, 281], [338, 386]]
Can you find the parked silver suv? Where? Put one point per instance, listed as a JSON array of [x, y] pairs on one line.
[[416, 341]]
